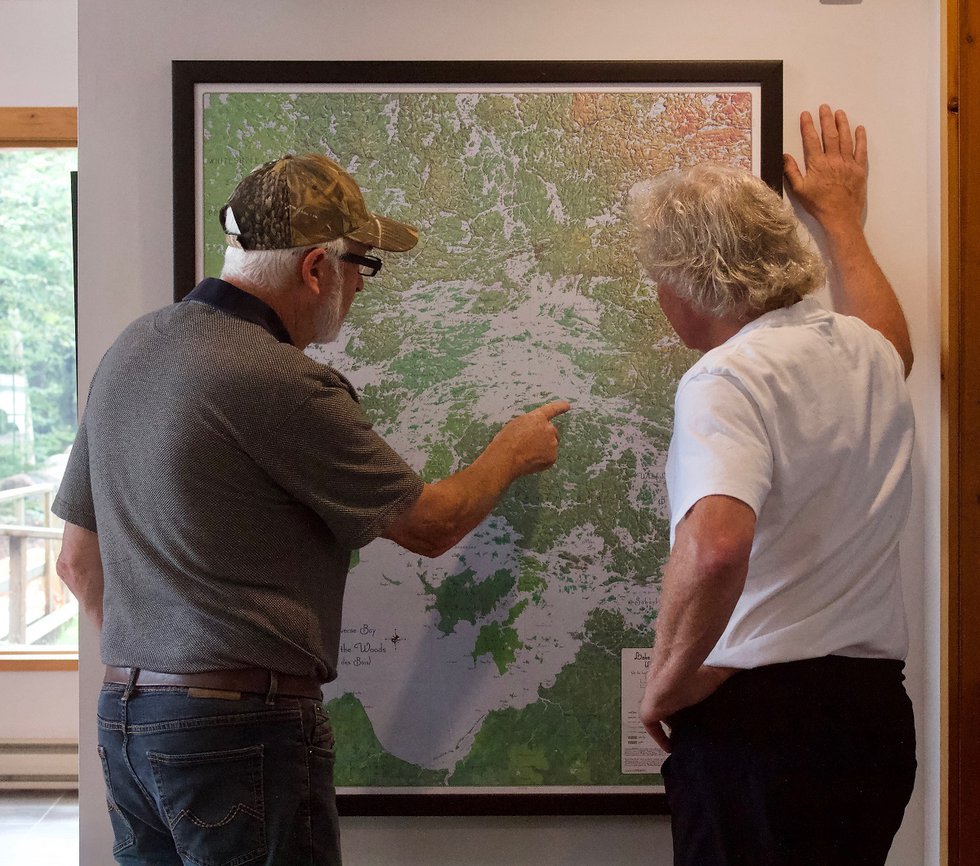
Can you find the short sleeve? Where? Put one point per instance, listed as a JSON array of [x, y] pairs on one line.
[[74, 501], [720, 446], [328, 456]]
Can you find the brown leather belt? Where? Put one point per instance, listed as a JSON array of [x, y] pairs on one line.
[[255, 680]]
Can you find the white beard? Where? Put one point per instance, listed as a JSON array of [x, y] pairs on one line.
[[329, 320]]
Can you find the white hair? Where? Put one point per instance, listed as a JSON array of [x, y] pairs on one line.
[[723, 240], [275, 269]]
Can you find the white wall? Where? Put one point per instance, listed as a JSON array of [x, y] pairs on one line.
[[39, 705], [38, 52], [38, 66], [879, 61]]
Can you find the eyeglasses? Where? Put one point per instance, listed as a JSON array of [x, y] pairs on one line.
[[367, 266]]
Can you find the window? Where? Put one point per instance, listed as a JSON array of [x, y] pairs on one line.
[[38, 616]]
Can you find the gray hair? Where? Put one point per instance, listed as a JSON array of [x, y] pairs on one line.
[[275, 269], [723, 241]]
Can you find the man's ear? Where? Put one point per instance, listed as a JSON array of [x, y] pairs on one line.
[[312, 269]]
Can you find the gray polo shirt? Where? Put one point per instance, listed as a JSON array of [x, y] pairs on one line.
[[229, 477]]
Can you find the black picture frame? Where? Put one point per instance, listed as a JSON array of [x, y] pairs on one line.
[[188, 75]]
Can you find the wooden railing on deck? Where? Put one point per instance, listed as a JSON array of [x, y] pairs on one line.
[[18, 535]]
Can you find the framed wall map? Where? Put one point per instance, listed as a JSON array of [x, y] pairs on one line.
[[503, 677]]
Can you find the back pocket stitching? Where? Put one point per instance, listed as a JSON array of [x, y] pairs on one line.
[[158, 759]]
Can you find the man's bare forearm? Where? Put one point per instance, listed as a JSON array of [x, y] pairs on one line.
[[861, 288], [80, 567], [702, 583], [449, 509], [833, 189]]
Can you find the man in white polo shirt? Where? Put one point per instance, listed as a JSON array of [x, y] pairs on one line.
[[776, 681]]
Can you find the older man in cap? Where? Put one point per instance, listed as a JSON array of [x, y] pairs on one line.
[[218, 484]]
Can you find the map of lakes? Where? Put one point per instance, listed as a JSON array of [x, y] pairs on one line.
[[497, 666]]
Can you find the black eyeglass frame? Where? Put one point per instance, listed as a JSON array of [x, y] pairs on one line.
[[367, 266]]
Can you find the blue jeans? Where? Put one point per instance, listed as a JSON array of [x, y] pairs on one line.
[[199, 778]]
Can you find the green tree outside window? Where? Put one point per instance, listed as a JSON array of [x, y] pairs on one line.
[[37, 307], [37, 389]]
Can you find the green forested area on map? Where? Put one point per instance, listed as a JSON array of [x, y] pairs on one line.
[[523, 288]]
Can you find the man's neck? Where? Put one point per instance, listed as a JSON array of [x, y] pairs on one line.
[[280, 304]]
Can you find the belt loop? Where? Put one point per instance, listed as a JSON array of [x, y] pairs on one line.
[[131, 684], [270, 698]]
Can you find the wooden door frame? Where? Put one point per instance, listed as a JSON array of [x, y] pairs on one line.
[[960, 366]]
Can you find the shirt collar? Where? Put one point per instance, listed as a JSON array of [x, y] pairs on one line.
[[805, 308], [232, 300]]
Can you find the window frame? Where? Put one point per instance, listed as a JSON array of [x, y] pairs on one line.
[[38, 127]]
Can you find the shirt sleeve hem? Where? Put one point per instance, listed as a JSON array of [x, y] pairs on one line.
[[72, 514], [749, 497], [386, 517]]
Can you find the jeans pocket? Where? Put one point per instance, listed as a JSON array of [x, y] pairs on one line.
[[321, 736], [122, 830], [214, 802]]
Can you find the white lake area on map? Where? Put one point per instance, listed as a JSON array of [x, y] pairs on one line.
[[499, 664]]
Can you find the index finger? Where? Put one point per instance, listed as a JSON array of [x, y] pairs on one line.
[[554, 409]]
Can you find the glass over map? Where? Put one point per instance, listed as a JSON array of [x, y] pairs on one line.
[[499, 666]]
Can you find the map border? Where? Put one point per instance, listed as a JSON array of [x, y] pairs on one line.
[[188, 77]]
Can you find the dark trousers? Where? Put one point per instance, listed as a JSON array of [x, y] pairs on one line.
[[807, 763], [193, 779]]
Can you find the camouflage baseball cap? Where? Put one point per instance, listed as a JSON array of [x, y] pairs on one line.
[[299, 201]]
